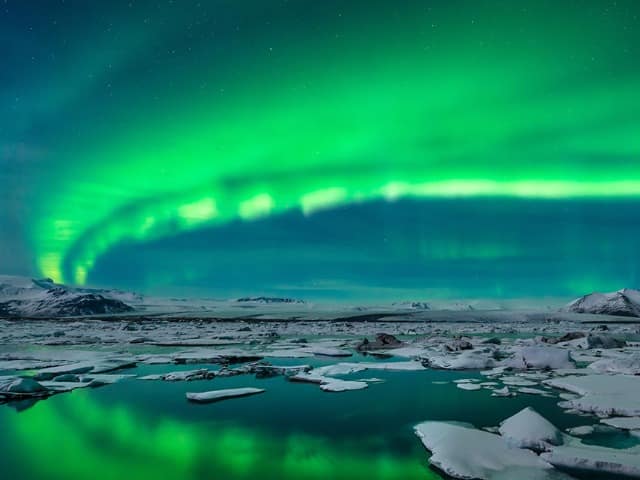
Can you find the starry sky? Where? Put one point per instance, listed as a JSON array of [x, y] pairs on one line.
[[322, 149]]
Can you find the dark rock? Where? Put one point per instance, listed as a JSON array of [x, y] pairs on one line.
[[140, 340], [567, 337], [231, 359], [605, 341], [267, 371], [457, 345], [382, 341]]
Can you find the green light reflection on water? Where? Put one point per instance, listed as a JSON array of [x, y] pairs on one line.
[[75, 437]]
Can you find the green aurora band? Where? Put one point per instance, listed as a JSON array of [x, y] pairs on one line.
[[473, 99]]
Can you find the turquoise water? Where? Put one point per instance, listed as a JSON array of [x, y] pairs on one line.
[[146, 429]]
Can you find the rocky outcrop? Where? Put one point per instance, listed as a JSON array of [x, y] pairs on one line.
[[382, 341]]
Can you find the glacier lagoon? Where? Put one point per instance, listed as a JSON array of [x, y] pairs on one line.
[[146, 429]]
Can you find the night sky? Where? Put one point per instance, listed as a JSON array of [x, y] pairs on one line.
[[322, 149]]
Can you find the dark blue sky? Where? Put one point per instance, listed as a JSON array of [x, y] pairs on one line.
[[398, 250]]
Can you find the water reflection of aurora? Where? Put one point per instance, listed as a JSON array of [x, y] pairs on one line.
[[77, 438]]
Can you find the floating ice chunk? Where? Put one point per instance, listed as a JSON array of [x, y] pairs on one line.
[[623, 423], [309, 378], [265, 371], [581, 431], [156, 359], [100, 365], [26, 364], [502, 392], [329, 352], [464, 452], [329, 384], [568, 396], [469, 386], [153, 376], [335, 385], [194, 342], [494, 371], [528, 429], [467, 360], [288, 353], [21, 387], [347, 368], [74, 369], [532, 391], [572, 371], [216, 395], [60, 387], [540, 358], [339, 369], [629, 365], [215, 356], [605, 395], [395, 366], [596, 460], [517, 381], [408, 352], [103, 378], [188, 375]]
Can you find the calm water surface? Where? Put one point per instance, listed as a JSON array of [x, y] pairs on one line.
[[146, 429]]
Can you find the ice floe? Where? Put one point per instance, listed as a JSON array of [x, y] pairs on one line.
[[528, 429], [216, 395], [333, 385], [623, 423], [540, 358], [628, 364], [605, 395], [462, 451], [469, 386], [595, 460]]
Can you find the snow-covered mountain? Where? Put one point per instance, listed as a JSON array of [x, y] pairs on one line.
[[26, 297], [412, 305], [624, 303], [268, 300]]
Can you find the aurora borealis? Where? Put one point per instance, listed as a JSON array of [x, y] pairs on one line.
[[334, 148]]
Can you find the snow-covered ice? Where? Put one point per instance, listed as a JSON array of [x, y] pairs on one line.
[[462, 451], [605, 395], [528, 429], [216, 395]]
